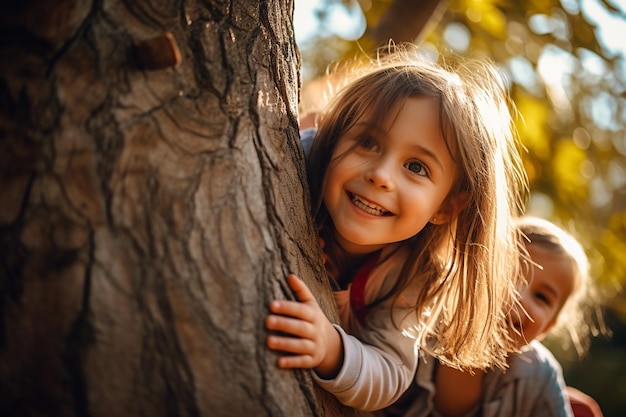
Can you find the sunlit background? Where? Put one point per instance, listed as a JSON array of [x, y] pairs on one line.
[[566, 65]]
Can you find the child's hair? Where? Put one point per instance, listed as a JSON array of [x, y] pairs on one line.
[[575, 317], [459, 267]]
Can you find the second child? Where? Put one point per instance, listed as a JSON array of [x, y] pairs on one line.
[[555, 298]]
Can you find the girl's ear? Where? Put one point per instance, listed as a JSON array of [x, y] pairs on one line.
[[450, 208], [440, 218]]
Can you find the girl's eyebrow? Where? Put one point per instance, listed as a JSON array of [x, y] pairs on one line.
[[430, 154], [369, 126]]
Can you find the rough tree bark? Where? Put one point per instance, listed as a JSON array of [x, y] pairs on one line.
[[402, 21], [149, 210]]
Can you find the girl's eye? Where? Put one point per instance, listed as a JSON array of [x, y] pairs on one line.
[[416, 167], [543, 298], [369, 143]]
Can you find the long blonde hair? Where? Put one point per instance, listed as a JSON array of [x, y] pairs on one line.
[[463, 266]]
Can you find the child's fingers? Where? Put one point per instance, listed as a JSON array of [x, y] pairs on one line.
[[296, 361], [302, 292], [290, 345], [293, 309], [293, 327]]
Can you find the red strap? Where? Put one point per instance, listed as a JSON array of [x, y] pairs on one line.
[[357, 289]]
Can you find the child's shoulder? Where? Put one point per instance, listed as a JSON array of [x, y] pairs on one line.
[[535, 361]]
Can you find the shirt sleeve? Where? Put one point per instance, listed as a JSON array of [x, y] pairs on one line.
[[533, 386], [553, 399], [379, 365]]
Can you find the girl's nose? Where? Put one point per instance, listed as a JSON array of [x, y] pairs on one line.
[[380, 174]]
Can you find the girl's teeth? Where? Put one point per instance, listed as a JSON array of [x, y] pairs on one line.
[[368, 207]]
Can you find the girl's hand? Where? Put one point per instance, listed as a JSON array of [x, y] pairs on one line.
[[307, 336]]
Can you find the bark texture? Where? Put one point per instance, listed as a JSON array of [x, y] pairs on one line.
[[406, 21], [149, 210]]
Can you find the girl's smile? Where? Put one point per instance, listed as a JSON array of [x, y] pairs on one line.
[[368, 207]]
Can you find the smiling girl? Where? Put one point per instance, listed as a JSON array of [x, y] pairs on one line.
[[415, 179]]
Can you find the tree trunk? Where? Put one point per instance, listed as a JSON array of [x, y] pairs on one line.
[[152, 202], [405, 21]]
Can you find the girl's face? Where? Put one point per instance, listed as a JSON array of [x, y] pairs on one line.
[[389, 186], [547, 291]]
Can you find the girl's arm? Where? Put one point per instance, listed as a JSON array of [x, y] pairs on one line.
[[367, 373]]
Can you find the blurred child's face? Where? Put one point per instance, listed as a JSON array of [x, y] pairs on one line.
[[388, 187], [546, 292]]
